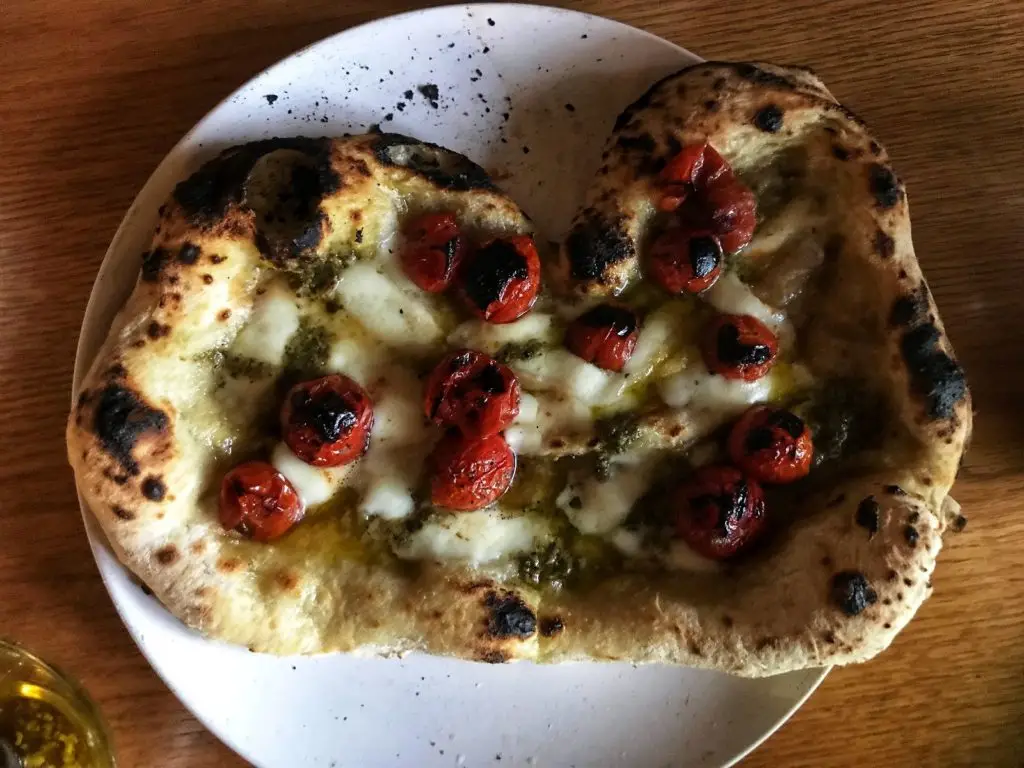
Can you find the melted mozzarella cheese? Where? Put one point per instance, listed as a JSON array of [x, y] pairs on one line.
[[273, 321], [491, 337], [555, 415], [732, 296], [680, 557], [630, 543], [360, 361], [654, 340], [697, 388], [315, 485], [388, 496], [398, 418], [559, 370], [399, 319], [597, 507], [475, 538]]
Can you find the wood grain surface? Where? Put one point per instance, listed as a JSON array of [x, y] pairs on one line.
[[93, 93]]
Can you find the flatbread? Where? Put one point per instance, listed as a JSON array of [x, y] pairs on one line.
[[867, 545], [850, 557], [150, 473]]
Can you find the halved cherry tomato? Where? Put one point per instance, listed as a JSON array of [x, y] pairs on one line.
[[702, 189], [739, 347], [258, 501], [500, 280], [679, 175], [433, 251], [719, 511], [472, 392], [327, 421], [605, 336], [771, 445], [685, 262], [470, 474]]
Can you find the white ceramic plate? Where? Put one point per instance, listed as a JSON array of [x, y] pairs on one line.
[[530, 93]]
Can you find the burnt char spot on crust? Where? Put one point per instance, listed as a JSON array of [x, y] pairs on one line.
[[885, 187], [206, 195], [867, 515], [911, 535], [508, 616], [286, 580], [644, 101], [885, 246], [642, 143], [840, 152], [758, 76], [594, 245], [768, 118], [907, 309], [959, 523], [155, 331], [121, 417], [494, 657], [444, 168], [895, 490], [153, 264], [933, 374], [167, 555], [852, 592], [153, 488], [188, 253], [551, 626], [122, 513]]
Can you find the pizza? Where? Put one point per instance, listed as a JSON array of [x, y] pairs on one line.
[[355, 403]]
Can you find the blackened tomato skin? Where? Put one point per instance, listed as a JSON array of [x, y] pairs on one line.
[[739, 347], [605, 336], [472, 392], [500, 281], [327, 421], [433, 251], [682, 261], [719, 511], [258, 501], [771, 445], [469, 474]]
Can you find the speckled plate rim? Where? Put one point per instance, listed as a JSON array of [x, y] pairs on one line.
[[94, 328]]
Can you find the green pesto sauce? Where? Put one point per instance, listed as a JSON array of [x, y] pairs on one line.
[[515, 351], [314, 276], [307, 352], [618, 433]]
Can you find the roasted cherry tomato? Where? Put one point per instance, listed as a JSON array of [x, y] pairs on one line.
[[327, 422], [258, 501], [500, 280], [702, 189], [719, 511], [739, 347], [470, 474], [771, 445], [605, 336], [679, 176], [685, 262], [433, 251], [472, 392]]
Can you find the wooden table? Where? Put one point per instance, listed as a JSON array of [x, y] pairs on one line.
[[93, 93]]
